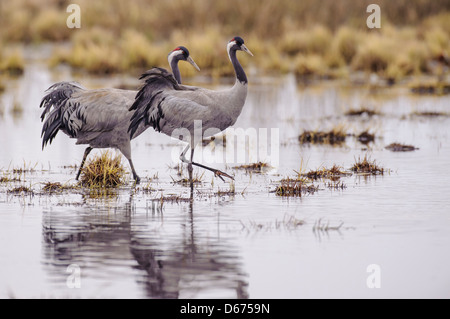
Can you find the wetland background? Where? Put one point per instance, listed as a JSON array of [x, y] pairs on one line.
[[317, 70]]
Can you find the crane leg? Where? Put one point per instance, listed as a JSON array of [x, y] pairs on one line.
[[191, 162], [137, 179], [86, 153]]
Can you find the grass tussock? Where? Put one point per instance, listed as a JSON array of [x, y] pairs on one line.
[[196, 179], [334, 173], [398, 147], [231, 191], [9, 179], [433, 87], [363, 111], [57, 187], [430, 114], [2, 89], [367, 166], [315, 40], [258, 167], [336, 136], [21, 190], [103, 171], [295, 187], [366, 137], [12, 62]]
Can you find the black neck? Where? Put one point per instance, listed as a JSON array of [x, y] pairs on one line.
[[175, 70], [240, 74]]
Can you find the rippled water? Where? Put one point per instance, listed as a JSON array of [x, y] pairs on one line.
[[247, 245]]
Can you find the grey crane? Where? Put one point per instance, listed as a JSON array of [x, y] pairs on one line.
[[99, 117], [167, 106]]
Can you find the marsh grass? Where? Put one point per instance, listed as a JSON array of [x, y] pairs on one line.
[[434, 87], [320, 226], [103, 171], [157, 204], [295, 187], [398, 147], [259, 167], [12, 62], [21, 190], [367, 166], [98, 193], [27, 168], [430, 114], [196, 179], [366, 137], [289, 223], [309, 38], [56, 187], [231, 191], [363, 111], [17, 109], [334, 173], [2, 89], [336, 185], [9, 179], [335, 136]]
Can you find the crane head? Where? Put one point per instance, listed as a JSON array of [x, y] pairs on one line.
[[182, 53], [237, 43]]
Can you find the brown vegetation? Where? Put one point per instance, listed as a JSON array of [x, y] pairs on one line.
[[290, 187], [103, 171], [326, 38], [366, 166], [336, 136], [398, 147]]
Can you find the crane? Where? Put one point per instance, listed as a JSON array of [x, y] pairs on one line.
[[167, 106]]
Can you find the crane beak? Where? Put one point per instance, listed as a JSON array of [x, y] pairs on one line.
[[191, 61], [245, 49]]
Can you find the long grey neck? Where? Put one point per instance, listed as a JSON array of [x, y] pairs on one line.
[[175, 70], [240, 74]]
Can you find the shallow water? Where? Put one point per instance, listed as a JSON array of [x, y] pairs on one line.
[[126, 245]]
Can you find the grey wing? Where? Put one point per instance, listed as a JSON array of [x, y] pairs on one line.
[[159, 83], [177, 112], [166, 112], [98, 112], [55, 104], [88, 113]]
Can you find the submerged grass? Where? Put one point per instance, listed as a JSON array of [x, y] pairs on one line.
[[430, 87], [398, 147], [366, 137], [8, 179], [336, 136], [431, 114], [320, 226], [363, 111], [258, 167], [334, 173], [103, 171], [287, 223], [229, 192], [56, 187], [196, 179], [21, 190]]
